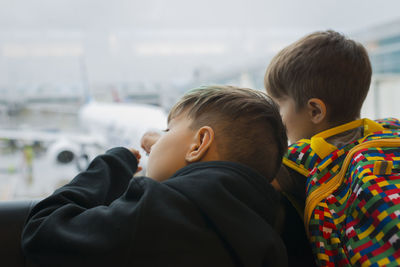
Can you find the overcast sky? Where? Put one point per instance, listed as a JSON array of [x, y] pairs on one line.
[[343, 15], [236, 32]]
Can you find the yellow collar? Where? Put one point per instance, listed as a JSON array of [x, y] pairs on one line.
[[323, 148]]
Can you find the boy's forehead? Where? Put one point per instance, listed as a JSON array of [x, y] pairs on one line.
[[178, 111], [178, 116]]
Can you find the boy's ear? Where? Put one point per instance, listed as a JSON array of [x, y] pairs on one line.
[[316, 110], [203, 139]]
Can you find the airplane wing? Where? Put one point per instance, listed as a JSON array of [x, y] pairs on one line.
[[28, 135], [60, 147]]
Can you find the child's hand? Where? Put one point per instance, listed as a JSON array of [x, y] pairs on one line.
[[148, 140], [137, 156]]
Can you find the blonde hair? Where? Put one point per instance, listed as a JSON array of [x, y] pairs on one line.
[[246, 122]]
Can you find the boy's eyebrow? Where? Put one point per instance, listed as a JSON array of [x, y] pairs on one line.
[[169, 122]]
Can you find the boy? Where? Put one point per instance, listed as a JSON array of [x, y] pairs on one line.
[[320, 83], [208, 203]]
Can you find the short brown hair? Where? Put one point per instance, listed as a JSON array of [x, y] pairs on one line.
[[247, 124], [324, 65]]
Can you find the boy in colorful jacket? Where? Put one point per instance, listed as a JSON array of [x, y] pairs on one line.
[[344, 170]]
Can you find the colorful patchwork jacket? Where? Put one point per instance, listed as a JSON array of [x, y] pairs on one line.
[[352, 212]]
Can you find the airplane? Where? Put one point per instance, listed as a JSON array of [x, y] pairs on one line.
[[104, 125], [62, 155], [122, 124]]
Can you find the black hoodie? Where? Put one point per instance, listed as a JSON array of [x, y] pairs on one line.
[[206, 214]]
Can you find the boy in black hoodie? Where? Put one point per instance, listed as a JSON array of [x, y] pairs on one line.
[[208, 202]]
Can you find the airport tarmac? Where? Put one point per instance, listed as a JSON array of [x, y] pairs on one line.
[[16, 179]]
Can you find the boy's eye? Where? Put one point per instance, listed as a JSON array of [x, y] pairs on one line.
[[166, 130]]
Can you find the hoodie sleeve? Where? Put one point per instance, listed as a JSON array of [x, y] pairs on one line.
[[87, 216], [293, 183]]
